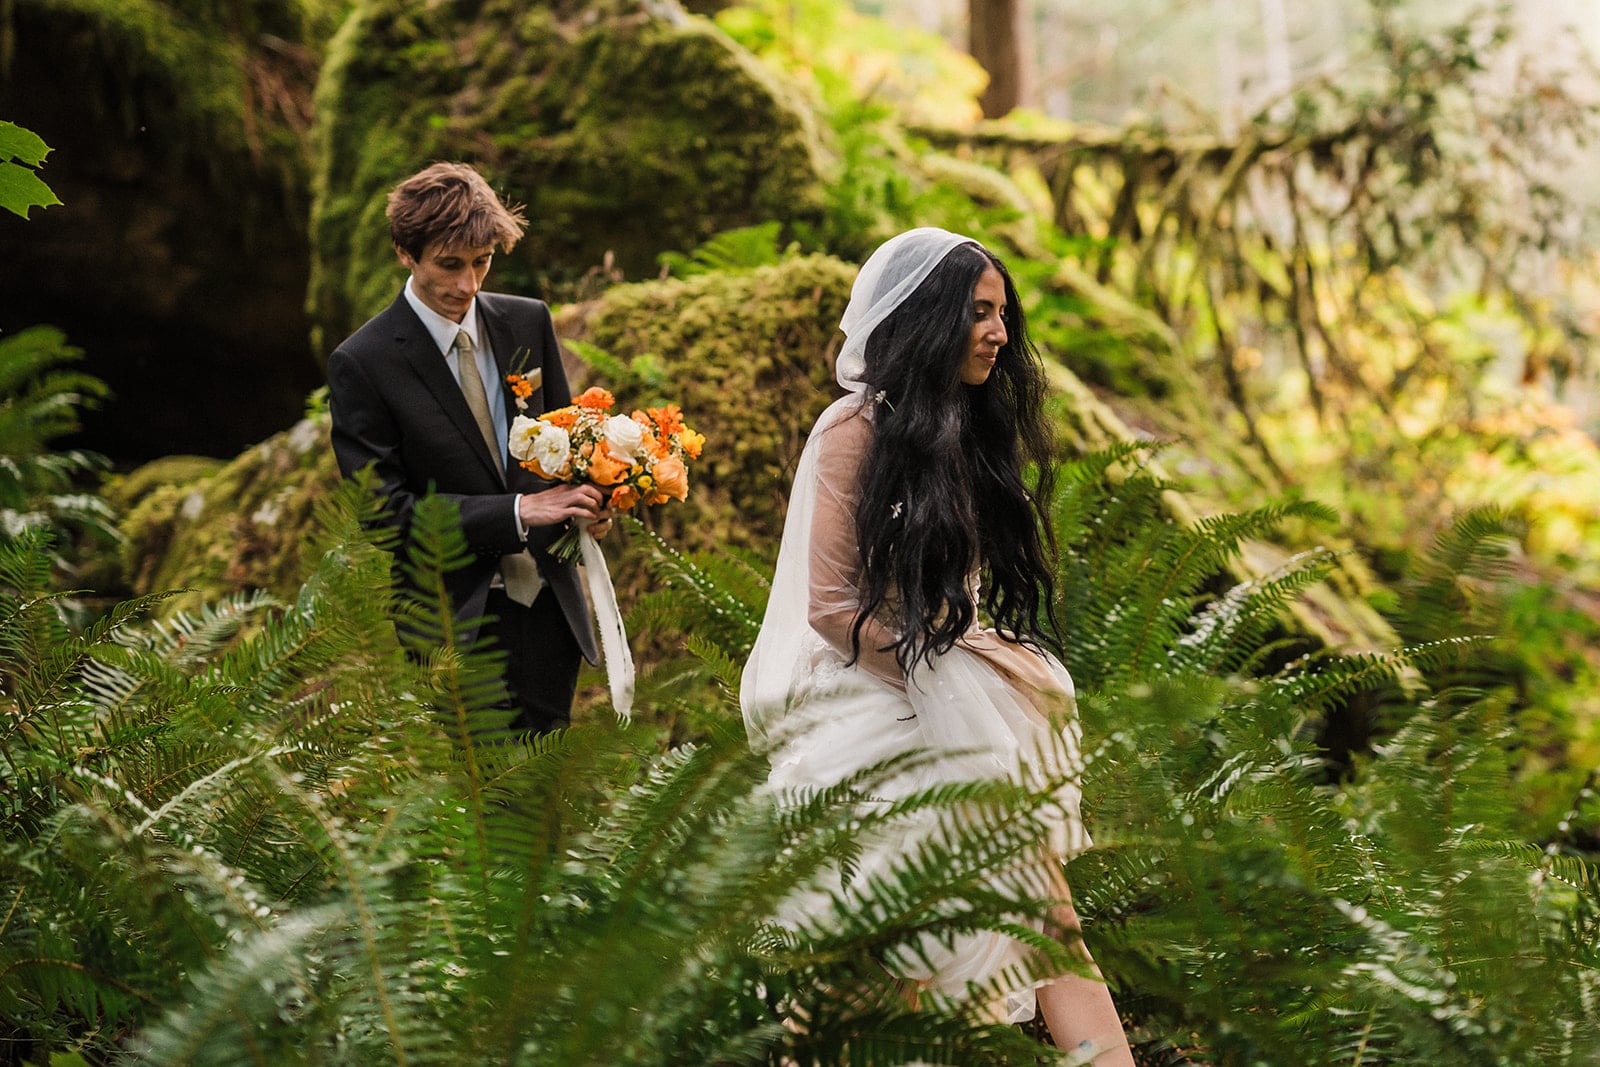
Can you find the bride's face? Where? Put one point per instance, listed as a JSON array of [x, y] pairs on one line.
[[988, 327]]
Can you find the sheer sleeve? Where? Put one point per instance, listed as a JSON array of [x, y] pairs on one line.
[[835, 561]]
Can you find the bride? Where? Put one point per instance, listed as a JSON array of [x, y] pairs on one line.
[[909, 488]]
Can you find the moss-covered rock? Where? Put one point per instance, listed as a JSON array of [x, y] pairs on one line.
[[626, 129], [125, 492], [242, 526]]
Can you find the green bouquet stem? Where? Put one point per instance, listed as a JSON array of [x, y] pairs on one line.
[[565, 547]]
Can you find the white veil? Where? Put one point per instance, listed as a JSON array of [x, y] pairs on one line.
[[889, 275]]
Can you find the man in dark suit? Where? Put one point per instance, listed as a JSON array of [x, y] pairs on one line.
[[419, 394]]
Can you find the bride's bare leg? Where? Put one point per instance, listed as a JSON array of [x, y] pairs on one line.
[[1078, 1009]]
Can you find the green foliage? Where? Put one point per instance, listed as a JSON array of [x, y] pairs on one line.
[[22, 152], [708, 603], [280, 832], [739, 249], [315, 849], [842, 56], [40, 401], [1250, 906], [1133, 579]]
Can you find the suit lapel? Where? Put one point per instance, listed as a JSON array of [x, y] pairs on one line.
[[413, 339]]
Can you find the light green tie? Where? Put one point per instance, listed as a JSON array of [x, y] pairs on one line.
[[518, 570]]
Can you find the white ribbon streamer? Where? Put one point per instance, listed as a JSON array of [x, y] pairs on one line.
[[613, 638]]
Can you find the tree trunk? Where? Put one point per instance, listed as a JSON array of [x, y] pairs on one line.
[[995, 40]]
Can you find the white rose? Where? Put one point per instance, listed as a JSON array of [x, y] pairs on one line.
[[551, 449], [624, 436], [523, 431]]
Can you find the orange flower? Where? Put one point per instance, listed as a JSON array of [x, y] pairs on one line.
[[565, 418], [672, 479], [596, 399], [669, 418], [604, 469], [692, 442], [624, 497], [520, 386]]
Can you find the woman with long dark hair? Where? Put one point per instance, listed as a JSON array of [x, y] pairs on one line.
[[911, 512]]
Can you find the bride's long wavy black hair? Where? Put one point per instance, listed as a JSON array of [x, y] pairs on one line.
[[943, 488]]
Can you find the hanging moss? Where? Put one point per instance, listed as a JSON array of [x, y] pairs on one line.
[[623, 132]]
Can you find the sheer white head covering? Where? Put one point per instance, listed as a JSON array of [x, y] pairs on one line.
[[889, 275]]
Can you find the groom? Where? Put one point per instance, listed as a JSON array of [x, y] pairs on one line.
[[419, 394]]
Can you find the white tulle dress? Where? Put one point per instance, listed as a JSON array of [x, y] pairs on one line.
[[996, 703]]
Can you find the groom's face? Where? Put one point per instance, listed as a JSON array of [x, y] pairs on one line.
[[447, 277]]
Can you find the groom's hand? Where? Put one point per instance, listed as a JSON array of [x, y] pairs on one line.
[[556, 505]]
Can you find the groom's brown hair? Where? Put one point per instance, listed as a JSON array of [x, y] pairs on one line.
[[450, 204]]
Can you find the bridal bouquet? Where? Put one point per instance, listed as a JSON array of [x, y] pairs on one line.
[[635, 459], [640, 458]]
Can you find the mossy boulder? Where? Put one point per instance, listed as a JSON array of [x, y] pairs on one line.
[[241, 526], [626, 129]]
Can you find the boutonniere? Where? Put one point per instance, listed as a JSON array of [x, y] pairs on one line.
[[523, 382]]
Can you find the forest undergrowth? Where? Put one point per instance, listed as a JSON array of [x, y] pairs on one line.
[[294, 832]]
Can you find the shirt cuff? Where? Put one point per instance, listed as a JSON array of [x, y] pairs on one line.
[[516, 517]]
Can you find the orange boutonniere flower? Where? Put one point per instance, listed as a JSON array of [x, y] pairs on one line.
[[523, 382]]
